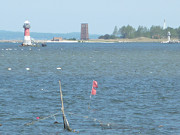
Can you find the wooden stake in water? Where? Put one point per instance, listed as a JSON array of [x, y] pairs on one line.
[[66, 124]]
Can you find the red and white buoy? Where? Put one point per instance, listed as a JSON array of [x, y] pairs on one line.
[[27, 39]]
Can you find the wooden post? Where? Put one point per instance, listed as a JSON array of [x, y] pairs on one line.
[[66, 124]]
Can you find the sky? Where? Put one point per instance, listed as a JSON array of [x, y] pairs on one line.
[[65, 16]]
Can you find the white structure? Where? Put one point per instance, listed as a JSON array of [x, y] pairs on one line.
[[27, 39], [169, 36], [164, 26], [169, 39]]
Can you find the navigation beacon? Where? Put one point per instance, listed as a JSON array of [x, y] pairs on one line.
[[27, 39]]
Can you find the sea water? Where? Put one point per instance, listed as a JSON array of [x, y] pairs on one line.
[[138, 93]]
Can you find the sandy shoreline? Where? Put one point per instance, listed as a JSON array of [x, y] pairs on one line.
[[93, 40]]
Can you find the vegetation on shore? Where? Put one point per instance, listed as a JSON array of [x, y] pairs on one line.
[[155, 32], [122, 34], [140, 39]]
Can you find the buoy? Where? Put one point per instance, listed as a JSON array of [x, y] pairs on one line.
[[58, 68], [27, 68], [56, 122], [37, 118], [9, 69]]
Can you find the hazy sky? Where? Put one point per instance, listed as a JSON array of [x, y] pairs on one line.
[[64, 16]]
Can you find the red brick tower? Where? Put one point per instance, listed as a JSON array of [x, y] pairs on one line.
[[84, 31]]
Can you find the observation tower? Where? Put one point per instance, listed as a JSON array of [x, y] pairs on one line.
[[27, 39], [84, 31]]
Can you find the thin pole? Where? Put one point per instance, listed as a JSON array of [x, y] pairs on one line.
[[62, 109], [89, 102], [90, 97]]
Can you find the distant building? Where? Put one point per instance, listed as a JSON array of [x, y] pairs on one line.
[[57, 39], [84, 31]]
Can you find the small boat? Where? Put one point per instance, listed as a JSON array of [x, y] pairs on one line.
[[32, 45], [44, 45]]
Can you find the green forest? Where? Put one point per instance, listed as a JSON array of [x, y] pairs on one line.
[[155, 32]]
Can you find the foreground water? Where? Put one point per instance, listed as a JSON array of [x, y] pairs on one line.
[[138, 88]]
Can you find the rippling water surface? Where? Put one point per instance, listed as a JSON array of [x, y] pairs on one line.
[[139, 88]]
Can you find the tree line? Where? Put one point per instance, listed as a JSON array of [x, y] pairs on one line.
[[154, 32]]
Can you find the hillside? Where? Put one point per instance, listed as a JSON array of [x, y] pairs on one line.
[[9, 35]]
